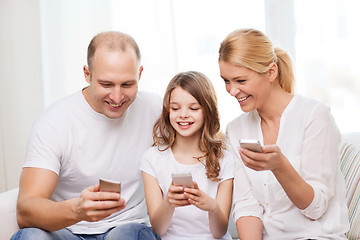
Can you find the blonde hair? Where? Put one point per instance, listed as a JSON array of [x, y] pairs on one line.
[[252, 49], [211, 140]]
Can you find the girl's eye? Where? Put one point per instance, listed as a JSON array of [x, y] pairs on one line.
[[194, 109], [174, 109]]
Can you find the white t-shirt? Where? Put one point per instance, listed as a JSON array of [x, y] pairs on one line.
[[188, 222], [81, 145], [309, 138]]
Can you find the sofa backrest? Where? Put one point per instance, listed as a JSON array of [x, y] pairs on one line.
[[350, 167]]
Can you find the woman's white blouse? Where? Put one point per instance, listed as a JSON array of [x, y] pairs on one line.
[[309, 138]]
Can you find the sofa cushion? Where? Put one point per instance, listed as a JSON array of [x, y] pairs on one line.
[[350, 166], [8, 223]]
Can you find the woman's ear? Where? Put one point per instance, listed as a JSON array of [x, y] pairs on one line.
[[273, 71]]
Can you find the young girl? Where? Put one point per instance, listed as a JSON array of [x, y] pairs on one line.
[[187, 139]]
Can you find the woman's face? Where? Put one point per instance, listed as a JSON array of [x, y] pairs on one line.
[[251, 89]]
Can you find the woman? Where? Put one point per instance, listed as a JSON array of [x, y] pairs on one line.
[[294, 188]]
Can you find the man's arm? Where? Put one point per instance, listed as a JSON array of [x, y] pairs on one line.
[[36, 209]]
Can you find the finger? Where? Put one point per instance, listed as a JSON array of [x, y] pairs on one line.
[[104, 205], [196, 186], [96, 188], [176, 189], [179, 203], [250, 163], [101, 196]]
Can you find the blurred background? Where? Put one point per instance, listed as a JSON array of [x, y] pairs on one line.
[[43, 48]]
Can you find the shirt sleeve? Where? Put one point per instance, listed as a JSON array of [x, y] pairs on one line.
[[320, 160], [146, 165], [227, 167], [244, 201], [44, 147]]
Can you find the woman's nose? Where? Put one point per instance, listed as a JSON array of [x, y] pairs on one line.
[[233, 90]]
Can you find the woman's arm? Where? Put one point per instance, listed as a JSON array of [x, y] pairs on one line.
[[299, 192], [249, 228]]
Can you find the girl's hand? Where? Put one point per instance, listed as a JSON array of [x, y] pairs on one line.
[[271, 158], [175, 196], [199, 198]]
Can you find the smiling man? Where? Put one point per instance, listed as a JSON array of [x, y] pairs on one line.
[[98, 132]]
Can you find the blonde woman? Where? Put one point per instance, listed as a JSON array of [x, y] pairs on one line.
[[293, 189]]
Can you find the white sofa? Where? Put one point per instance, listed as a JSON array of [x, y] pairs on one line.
[[350, 166]]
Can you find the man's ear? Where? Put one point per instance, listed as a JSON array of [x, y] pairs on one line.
[[140, 71], [87, 74], [273, 72]]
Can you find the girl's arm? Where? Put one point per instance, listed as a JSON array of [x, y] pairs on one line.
[[249, 228], [161, 209], [219, 208]]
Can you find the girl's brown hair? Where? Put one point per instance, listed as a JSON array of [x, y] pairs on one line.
[[252, 49], [211, 140]]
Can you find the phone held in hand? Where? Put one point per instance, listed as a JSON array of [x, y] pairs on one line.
[[251, 144], [107, 185], [182, 179]]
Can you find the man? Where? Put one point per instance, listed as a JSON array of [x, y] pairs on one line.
[[98, 132]]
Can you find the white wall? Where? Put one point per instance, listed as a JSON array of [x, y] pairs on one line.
[[21, 95]]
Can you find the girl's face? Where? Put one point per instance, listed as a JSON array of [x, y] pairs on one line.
[[186, 115], [250, 88]]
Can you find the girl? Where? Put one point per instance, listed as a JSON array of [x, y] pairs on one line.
[[187, 139], [297, 189]]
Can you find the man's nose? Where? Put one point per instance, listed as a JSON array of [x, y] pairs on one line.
[[116, 95]]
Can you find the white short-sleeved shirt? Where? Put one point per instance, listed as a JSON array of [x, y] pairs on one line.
[[81, 145], [188, 222], [309, 138]]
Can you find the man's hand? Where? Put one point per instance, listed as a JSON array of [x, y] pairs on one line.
[[93, 205]]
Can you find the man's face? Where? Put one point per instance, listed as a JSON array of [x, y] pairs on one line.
[[113, 81]]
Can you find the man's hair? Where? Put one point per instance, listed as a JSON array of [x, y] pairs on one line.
[[111, 40]]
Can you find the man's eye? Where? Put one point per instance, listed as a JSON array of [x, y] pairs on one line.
[[126, 85], [106, 85]]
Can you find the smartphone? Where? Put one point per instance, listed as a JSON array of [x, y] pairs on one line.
[[251, 144], [182, 179], [107, 185]]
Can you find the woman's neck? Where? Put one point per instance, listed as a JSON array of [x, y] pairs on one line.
[[271, 114], [275, 105]]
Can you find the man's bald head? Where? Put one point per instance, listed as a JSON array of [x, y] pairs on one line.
[[113, 41]]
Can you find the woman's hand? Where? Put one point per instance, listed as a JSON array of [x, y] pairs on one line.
[[271, 158], [199, 198]]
